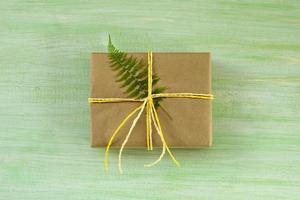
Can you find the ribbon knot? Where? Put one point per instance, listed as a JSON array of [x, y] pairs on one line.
[[151, 116]]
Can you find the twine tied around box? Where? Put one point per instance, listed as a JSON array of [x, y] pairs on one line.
[[151, 115]]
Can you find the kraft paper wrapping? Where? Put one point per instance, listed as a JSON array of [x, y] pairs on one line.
[[185, 122]]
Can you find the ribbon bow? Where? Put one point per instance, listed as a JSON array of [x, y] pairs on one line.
[[151, 115]]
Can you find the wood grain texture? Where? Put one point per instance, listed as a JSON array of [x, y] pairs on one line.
[[44, 86]]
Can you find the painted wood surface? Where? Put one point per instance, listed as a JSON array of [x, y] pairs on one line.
[[44, 86]]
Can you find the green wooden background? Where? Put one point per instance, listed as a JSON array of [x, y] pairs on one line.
[[44, 86]]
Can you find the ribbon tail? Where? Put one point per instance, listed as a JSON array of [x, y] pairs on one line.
[[116, 132], [162, 136], [163, 148], [128, 135]]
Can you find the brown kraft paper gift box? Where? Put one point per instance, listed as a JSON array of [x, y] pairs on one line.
[[185, 122]]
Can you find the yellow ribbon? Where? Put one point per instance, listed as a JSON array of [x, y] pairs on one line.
[[151, 115]]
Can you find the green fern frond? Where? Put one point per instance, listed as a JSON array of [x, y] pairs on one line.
[[132, 73]]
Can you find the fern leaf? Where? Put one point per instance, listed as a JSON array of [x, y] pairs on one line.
[[132, 73]]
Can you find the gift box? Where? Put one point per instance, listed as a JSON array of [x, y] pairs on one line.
[[186, 122]]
